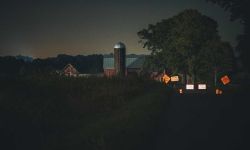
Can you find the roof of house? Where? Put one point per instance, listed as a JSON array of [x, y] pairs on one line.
[[131, 62]]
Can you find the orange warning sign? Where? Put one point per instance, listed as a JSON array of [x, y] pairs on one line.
[[225, 80], [166, 79]]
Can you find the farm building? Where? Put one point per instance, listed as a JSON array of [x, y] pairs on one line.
[[70, 71], [134, 65], [122, 64], [120, 58]]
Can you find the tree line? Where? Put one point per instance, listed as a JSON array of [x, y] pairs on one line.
[[15, 66]]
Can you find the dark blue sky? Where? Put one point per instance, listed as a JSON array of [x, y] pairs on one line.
[[50, 27]]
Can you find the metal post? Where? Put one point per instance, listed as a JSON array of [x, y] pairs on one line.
[[215, 77]]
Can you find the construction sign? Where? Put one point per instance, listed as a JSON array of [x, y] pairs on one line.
[[225, 80], [175, 78], [166, 78]]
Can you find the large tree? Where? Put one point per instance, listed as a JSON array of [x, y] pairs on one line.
[[240, 10], [185, 44]]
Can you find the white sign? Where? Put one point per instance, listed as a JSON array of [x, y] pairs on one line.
[[189, 86], [175, 78], [202, 86]]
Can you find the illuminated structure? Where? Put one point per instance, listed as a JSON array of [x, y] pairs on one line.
[[120, 58], [70, 71]]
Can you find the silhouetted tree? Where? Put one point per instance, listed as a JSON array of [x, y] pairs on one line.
[[181, 44], [240, 10], [10, 66]]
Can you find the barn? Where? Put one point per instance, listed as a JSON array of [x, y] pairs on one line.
[[134, 64]]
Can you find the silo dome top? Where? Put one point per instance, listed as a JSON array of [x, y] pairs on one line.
[[119, 45]]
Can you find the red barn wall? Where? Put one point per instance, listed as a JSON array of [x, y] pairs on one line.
[[109, 72]]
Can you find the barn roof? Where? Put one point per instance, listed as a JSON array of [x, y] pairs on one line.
[[131, 62], [137, 63]]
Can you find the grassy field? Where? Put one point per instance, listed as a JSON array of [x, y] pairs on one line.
[[77, 113]]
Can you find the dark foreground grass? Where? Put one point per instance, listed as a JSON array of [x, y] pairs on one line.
[[76, 113]]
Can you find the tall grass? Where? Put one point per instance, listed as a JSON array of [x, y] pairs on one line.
[[79, 113]]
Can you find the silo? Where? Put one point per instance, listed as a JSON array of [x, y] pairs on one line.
[[120, 58]]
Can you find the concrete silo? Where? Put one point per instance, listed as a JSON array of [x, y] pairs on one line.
[[120, 58]]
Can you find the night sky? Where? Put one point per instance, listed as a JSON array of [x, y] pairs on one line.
[[45, 28]]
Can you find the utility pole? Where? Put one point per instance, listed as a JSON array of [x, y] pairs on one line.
[[215, 77]]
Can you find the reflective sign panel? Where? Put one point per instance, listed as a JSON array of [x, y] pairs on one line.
[[202, 86], [218, 92], [166, 79], [175, 78], [189, 86], [225, 80], [180, 91]]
